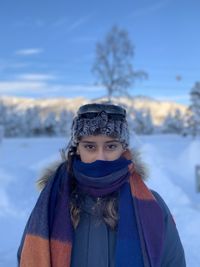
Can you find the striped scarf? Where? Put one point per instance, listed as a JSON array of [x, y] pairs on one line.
[[48, 236]]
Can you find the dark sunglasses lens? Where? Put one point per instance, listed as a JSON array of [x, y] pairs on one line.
[[97, 108]]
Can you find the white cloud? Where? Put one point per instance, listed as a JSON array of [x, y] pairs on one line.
[[42, 87], [78, 88], [20, 86], [35, 77], [29, 51]]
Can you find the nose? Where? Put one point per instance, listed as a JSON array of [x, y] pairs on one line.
[[101, 155]]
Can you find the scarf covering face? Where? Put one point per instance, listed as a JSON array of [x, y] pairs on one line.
[[48, 236], [101, 177]]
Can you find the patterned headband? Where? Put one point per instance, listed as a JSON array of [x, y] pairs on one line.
[[95, 119]]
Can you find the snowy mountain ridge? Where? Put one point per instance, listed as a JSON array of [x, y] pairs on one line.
[[158, 110]]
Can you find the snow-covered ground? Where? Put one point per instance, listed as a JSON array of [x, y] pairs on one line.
[[171, 161]]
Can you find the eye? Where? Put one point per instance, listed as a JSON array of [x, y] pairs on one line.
[[112, 146], [89, 147]]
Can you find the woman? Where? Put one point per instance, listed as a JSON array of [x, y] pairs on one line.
[[94, 209]]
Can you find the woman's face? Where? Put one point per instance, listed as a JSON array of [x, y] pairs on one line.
[[99, 147]]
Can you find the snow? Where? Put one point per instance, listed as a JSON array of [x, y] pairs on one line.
[[171, 160]]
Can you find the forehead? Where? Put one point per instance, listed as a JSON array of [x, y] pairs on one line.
[[98, 138]]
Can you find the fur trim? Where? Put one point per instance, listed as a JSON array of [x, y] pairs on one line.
[[139, 166], [47, 174]]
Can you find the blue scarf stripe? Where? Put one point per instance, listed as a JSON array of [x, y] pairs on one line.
[[128, 251]]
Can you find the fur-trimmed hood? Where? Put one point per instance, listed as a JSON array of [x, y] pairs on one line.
[[139, 166]]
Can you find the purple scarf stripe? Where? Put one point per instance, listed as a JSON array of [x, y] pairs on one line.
[[37, 224], [50, 217], [62, 228], [152, 223]]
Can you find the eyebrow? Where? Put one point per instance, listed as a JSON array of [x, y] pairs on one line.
[[92, 142]]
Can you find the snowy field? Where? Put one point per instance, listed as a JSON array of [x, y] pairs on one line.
[[171, 160]]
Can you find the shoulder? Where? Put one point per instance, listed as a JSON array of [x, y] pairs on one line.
[[168, 218], [173, 252], [161, 203]]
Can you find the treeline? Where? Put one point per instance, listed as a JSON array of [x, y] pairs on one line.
[[34, 121]]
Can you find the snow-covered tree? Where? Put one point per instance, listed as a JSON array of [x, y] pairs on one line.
[[50, 124], [173, 123], [65, 121], [2, 119], [1, 133], [3, 113], [32, 122], [195, 109], [142, 122], [12, 125]]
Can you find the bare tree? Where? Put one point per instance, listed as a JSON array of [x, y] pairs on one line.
[[113, 63]]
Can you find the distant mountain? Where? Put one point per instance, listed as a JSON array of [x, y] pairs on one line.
[[158, 109]]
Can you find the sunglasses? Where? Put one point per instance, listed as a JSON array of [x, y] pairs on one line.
[[95, 109]]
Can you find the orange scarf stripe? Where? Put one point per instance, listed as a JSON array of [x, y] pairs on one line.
[[60, 253], [35, 252], [138, 187]]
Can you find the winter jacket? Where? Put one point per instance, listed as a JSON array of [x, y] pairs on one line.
[[94, 240]]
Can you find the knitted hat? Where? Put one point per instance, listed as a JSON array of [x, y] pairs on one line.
[[95, 119]]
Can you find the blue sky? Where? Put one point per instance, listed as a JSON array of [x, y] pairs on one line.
[[47, 47]]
